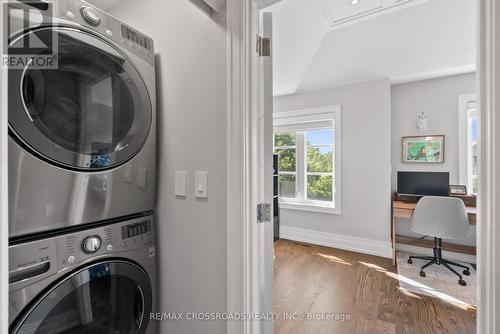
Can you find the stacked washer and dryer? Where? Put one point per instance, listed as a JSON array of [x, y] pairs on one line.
[[82, 149]]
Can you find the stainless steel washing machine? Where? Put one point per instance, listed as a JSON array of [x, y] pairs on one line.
[[82, 135], [100, 281]]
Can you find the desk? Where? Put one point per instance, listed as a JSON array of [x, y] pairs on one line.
[[405, 210]]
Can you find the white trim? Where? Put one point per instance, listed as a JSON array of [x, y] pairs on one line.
[[237, 151], [311, 207], [302, 120], [320, 113], [347, 242], [383, 8], [4, 217], [488, 235], [313, 117], [295, 125], [464, 139], [441, 73], [337, 172]]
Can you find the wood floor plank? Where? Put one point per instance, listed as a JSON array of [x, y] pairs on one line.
[[317, 280]]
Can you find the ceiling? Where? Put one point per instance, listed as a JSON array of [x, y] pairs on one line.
[[422, 40]]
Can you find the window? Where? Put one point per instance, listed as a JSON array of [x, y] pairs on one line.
[[284, 145], [469, 142], [308, 144]]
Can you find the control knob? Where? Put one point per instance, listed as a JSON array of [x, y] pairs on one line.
[[91, 16], [91, 244]]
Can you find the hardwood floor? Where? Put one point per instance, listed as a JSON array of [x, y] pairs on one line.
[[321, 280]]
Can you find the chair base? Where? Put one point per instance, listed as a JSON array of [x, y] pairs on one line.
[[438, 260]]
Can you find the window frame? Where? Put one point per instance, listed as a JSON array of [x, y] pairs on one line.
[[467, 109], [299, 122]]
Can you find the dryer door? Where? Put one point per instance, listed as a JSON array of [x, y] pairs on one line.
[[108, 297], [92, 112]]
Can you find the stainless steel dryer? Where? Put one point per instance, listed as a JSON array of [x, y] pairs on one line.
[[82, 135], [100, 281]]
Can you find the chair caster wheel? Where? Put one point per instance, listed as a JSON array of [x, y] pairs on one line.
[[466, 272], [422, 273], [410, 261], [462, 282]]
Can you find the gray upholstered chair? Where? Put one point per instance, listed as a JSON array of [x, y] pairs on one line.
[[441, 218]]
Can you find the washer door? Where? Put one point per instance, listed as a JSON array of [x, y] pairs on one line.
[[91, 113], [104, 298]]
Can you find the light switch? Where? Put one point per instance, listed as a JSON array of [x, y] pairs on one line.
[[180, 183], [201, 184], [127, 173], [141, 177], [49, 210]]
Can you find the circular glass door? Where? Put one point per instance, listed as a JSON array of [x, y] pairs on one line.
[[92, 112], [104, 298]]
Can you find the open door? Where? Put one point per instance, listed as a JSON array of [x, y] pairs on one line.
[[266, 153], [262, 119]]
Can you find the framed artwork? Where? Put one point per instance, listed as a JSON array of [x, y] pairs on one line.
[[458, 190], [428, 149]]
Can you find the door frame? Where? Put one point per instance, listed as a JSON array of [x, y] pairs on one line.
[[243, 237], [242, 257], [244, 240], [4, 216], [488, 238]]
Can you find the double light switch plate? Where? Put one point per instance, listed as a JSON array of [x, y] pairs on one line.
[[200, 184]]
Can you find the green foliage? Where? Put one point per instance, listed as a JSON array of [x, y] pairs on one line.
[[287, 162], [475, 185], [319, 187], [318, 162], [284, 139]]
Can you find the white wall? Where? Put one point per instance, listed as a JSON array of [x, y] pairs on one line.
[[191, 114], [438, 98], [366, 159]]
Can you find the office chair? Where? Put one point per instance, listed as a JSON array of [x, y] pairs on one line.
[[440, 217]]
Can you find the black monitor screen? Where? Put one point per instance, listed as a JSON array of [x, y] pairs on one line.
[[423, 183]]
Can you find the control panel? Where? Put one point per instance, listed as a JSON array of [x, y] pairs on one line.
[[82, 13], [38, 259], [134, 230]]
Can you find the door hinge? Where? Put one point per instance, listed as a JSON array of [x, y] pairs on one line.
[[264, 46], [264, 212]]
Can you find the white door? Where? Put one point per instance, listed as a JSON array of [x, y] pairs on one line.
[[263, 154]]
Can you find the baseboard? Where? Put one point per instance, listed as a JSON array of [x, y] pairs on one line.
[[347, 242]]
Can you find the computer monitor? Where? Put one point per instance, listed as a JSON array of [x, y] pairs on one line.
[[423, 183]]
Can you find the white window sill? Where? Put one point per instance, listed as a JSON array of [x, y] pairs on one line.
[[309, 207]]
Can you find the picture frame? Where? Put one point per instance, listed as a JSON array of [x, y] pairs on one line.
[[458, 189], [423, 149]]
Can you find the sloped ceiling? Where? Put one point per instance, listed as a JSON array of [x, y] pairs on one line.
[[430, 39]]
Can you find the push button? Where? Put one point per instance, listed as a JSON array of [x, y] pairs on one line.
[[91, 16]]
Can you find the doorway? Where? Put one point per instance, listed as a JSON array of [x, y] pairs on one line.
[[483, 140]]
